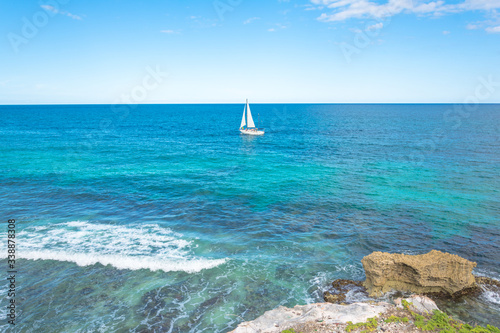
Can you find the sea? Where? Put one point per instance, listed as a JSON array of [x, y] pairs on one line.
[[164, 218]]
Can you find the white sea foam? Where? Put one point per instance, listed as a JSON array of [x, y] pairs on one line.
[[491, 296], [144, 247], [126, 262]]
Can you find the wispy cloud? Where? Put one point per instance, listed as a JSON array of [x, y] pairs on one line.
[[446, 32], [170, 32], [479, 4], [50, 9], [278, 27], [493, 30], [346, 9], [340, 10], [203, 22], [250, 20], [311, 7], [54, 10], [376, 26]]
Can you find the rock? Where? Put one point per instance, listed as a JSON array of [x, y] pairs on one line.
[[490, 287], [343, 283], [486, 281], [434, 272], [340, 288], [418, 303], [282, 318], [333, 298]]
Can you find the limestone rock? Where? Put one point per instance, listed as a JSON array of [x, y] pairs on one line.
[[418, 303], [281, 318], [340, 289], [434, 272], [333, 298]]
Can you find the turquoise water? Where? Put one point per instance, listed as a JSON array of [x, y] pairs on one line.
[[164, 218]]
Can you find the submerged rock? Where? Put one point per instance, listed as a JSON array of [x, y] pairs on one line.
[[282, 318], [434, 272], [333, 298], [340, 288], [343, 283], [487, 282]]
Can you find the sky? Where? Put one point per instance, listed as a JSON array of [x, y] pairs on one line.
[[269, 51]]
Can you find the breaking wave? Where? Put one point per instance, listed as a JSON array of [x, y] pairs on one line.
[[144, 247]]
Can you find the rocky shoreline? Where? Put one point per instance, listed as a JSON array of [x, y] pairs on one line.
[[435, 274], [327, 317]]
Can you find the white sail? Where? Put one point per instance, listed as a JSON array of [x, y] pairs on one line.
[[250, 122], [247, 125], [243, 122]]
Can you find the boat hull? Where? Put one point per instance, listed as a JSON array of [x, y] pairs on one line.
[[251, 132]]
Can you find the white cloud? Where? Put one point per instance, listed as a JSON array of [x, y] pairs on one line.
[[50, 8], [376, 26], [435, 7], [171, 32], [57, 11], [278, 26], [493, 30], [341, 10], [204, 22], [346, 9], [74, 17], [480, 4], [250, 20], [446, 32], [311, 7]]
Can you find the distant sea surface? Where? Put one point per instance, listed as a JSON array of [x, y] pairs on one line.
[[165, 218]]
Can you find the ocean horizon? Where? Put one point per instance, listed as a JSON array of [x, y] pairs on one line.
[[163, 217]]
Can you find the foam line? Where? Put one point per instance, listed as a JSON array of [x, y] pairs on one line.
[[126, 262], [124, 247]]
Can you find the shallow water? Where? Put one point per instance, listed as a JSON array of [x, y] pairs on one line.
[[164, 217]]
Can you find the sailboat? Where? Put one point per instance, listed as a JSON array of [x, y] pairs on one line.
[[247, 125]]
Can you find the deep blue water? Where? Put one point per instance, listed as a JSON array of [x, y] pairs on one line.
[[164, 218]]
